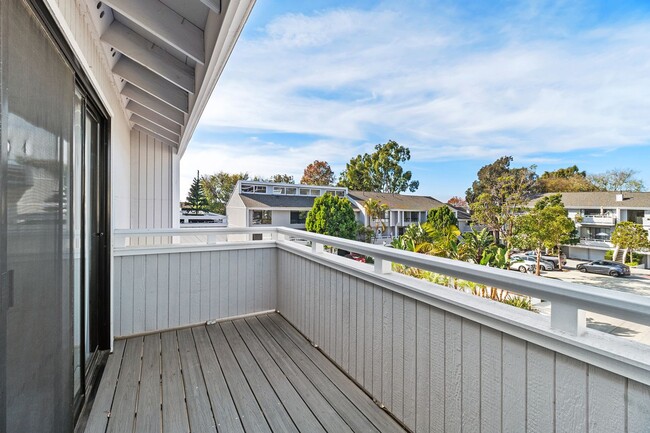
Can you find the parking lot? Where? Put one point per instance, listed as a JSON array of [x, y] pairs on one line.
[[638, 283]]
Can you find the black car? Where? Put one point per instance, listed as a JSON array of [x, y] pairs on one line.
[[605, 267]]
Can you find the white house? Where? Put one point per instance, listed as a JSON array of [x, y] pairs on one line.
[[596, 215], [265, 204]]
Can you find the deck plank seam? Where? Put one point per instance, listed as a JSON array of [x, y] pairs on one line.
[[214, 416], [182, 374]]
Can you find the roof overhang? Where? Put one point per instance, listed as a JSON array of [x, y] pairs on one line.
[[166, 57]]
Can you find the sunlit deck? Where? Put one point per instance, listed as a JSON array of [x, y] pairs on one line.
[[255, 374]]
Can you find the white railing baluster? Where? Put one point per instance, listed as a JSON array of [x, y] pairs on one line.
[[316, 247], [383, 266], [568, 318]]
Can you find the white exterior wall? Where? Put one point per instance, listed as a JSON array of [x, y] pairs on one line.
[[153, 183], [80, 32], [236, 212]]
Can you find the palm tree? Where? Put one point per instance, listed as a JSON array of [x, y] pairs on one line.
[[476, 242], [375, 210]]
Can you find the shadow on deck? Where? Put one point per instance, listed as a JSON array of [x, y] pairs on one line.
[[255, 374]]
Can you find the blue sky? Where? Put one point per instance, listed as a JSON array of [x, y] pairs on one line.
[[552, 83]]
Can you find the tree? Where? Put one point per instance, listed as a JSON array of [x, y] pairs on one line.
[[318, 173], [617, 180], [380, 171], [281, 178], [545, 226], [375, 210], [219, 187], [332, 215], [569, 179], [441, 217], [196, 200], [459, 202], [476, 243], [499, 194], [630, 236]]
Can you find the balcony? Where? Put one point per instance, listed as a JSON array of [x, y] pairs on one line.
[[435, 358], [600, 220]]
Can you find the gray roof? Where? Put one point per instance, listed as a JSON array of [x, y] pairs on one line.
[[605, 199], [273, 201], [397, 201]]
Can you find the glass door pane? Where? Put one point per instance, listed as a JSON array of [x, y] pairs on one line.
[[77, 239]]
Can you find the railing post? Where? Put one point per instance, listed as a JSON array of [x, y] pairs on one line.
[[383, 266], [568, 318], [316, 247]]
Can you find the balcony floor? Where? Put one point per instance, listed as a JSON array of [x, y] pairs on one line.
[[255, 374]]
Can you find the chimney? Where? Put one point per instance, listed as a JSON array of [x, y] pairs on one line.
[[619, 196]]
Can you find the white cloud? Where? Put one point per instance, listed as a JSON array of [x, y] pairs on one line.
[[445, 88]]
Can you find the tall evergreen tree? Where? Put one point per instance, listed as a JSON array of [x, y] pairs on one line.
[[196, 199]]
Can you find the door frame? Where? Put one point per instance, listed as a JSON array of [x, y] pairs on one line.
[[93, 102]]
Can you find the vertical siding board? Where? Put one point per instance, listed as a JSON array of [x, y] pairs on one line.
[[540, 372], [249, 280], [409, 361], [330, 281], [570, 395], [233, 294], [205, 270], [514, 388], [166, 199], [345, 325], [151, 291], [339, 318], [224, 283], [134, 172], [240, 282], [116, 323], [638, 407], [352, 329], [437, 369], [361, 332], [397, 349], [162, 321], [491, 377], [422, 368], [195, 287], [453, 373], [272, 298], [138, 294], [376, 340], [368, 341], [607, 395], [215, 286], [471, 380], [185, 288], [174, 290], [322, 305], [142, 181], [387, 348], [150, 182]]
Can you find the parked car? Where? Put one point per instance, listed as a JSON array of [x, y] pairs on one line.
[[528, 260], [521, 266], [604, 267], [356, 257], [552, 259]]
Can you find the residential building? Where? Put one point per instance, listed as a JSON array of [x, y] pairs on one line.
[[269, 204], [596, 215], [98, 102], [403, 210]]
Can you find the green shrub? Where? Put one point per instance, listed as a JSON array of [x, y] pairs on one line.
[[519, 302], [609, 255]]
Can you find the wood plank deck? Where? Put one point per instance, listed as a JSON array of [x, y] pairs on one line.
[[255, 374]]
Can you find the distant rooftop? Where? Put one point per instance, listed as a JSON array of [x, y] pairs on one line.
[[606, 199], [397, 201]]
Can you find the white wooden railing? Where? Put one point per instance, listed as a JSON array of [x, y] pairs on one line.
[[438, 359], [569, 301]]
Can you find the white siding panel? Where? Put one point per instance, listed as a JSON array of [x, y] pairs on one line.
[[161, 291], [438, 372]]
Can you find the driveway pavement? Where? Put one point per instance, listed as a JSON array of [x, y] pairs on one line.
[[638, 283]]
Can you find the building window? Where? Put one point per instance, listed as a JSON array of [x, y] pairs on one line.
[[298, 217], [260, 189], [291, 191], [278, 190], [340, 193], [304, 191], [247, 188], [261, 217], [315, 192]]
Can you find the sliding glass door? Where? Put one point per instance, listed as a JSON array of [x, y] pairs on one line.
[[53, 219]]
